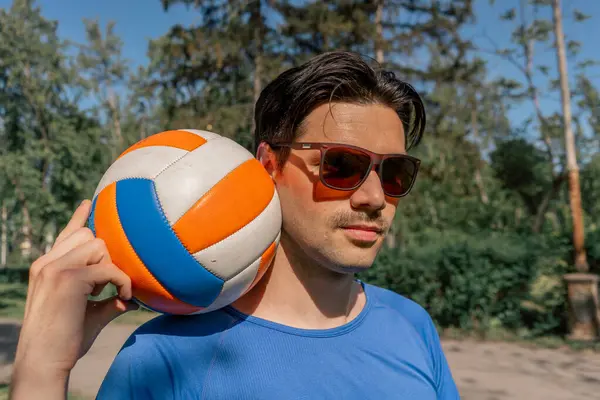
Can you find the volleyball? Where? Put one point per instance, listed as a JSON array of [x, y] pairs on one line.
[[191, 217]]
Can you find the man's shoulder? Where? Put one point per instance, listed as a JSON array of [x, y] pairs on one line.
[[400, 305], [417, 316], [198, 325], [169, 333], [158, 353]]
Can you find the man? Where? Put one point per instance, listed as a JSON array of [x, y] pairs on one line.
[[333, 135]]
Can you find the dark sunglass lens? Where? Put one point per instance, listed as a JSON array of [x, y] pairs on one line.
[[397, 175], [344, 168]]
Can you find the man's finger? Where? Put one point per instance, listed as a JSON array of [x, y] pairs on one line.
[[111, 273], [77, 221], [104, 273], [75, 240], [89, 253]]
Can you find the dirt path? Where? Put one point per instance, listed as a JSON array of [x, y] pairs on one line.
[[483, 371], [503, 371]]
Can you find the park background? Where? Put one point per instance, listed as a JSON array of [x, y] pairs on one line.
[[485, 238]]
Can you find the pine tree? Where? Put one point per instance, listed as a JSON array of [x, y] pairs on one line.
[[105, 72], [50, 153]]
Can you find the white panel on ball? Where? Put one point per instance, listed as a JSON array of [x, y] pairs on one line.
[[228, 257], [145, 162], [204, 134], [181, 185], [234, 287]]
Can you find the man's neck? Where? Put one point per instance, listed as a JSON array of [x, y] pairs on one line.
[[298, 293]]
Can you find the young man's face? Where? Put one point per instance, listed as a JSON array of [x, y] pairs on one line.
[[324, 223]]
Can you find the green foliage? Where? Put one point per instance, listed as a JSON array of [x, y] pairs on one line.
[[579, 16], [590, 185], [52, 150], [479, 283], [522, 168]]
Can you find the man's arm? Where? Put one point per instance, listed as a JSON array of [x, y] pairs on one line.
[[445, 385], [29, 382], [60, 324]]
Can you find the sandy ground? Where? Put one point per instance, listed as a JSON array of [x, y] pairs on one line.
[[483, 371]]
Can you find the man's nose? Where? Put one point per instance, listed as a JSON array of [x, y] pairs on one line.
[[369, 196]]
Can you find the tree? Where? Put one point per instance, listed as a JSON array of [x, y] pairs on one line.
[[211, 74], [100, 59], [574, 187], [50, 154]]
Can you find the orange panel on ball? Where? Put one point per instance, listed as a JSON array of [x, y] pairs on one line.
[[265, 261], [220, 212], [180, 139], [145, 287]]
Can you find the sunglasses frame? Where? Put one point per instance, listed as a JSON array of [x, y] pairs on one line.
[[376, 160]]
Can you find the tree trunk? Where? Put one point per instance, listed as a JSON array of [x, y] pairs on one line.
[[4, 239], [117, 146], [379, 32], [143, 127], [26, 243], [581, 263], [49, 238], [256, 18], [540, 214], [475, 130]]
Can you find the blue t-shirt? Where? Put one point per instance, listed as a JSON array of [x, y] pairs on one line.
[[391, 350]]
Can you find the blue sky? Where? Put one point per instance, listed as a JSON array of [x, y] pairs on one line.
[[137, 21]]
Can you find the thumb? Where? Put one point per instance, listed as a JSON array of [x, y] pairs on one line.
[[99, 314], [108, 309]]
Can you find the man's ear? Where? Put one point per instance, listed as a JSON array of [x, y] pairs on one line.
[[267, 158]]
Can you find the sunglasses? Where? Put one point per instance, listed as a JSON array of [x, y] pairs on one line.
[[346, 167]]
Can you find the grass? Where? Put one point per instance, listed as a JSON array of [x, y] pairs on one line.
[[12, 300], [3, 391]]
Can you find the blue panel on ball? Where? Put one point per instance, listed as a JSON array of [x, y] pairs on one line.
[[154, 241], [91, 217]]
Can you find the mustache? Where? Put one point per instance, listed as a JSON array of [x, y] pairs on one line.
[[346, 218]]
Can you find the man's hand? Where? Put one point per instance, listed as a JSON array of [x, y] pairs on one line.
[[60, 322]]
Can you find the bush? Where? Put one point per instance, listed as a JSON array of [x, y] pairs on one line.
[[14, 274], [479, 283]]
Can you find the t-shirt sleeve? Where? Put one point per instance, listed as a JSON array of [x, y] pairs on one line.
[[139, 371], [445, 385], [420, 319]]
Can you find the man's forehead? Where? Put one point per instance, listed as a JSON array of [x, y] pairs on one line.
[[368, 126]]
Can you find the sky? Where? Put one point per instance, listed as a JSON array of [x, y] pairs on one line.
[[137, 21]]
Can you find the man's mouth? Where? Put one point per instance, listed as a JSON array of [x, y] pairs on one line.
[[364, 227], [363, 233]]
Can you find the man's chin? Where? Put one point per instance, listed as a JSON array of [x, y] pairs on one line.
[[355, 260]]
